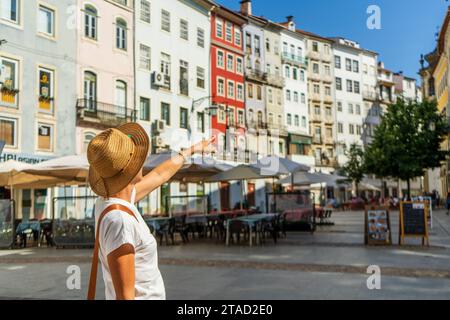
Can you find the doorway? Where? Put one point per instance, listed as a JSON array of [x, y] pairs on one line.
[[225, 196]]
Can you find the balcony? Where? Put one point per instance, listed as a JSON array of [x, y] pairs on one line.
[[103, 115], [299, 61], [327, 78], [314, 55], [328, 99], [316, 97], [275, 80], [314, 117], [328, 140], [277, 129], [370, 95], [329, 119], [256, 74], [314, 76], [327, 162]]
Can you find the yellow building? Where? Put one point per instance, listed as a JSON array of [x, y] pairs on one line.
[[435, 83]]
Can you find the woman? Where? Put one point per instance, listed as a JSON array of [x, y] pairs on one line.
[[124, 245]]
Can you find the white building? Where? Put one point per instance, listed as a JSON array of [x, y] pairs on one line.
[[294, 68], [172, 72], [349, 98], [371, 111]]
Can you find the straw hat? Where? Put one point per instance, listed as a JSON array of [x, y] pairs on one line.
[[116, 156]]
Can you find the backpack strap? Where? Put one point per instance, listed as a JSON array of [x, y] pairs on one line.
[[94, 266]]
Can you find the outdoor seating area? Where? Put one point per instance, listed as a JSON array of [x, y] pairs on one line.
[[71, 223]]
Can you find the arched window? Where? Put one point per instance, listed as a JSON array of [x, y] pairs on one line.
[[90, 22], [121, 34], [260, 118], [121, 97], [88, 136], [250, 116], [90, 89]]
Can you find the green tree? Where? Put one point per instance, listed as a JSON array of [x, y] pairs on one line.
[[407, 142], [354, 168]]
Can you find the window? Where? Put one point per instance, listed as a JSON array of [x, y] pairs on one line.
[[200, 37], [229, 32], [349, 86], [267, 44], [239, 65], [221, 114], [201, 122], [144, 109], [231, 117], [350, 108], [121, 98], [10, 87], [356, 87], [297, 121], [316, 68], [90, 90], [9, 10], [348, 64], [183, 118], [230, 62], [200, 78], [165, 69], [46, 86], [219, 29], [302, 76], [240, 91], [8, 132], [88, 136], [270, 95], [316, 89], [340, 127], [304, 122], [165, 20], [327, 70], [248, 43], [145, 11], [317, 110], [287, 72], [288, 95], [257, 46], [46, 23], [351, 129], [338, 83], [327, 91], [328, 112], [165, 112], [355, 66], [230, 89], [145, 57], [326, 48], [295, 96], [315, 46], [289, 119], [184, 78], [221, 87], [303, 98], [250, 90], [339, 106], [294, 73], [220, 59], [45, 134], [259, 92], [241, 121], [358, 129], [337, 62], [90, 22], [121, 34], [237, 37], [358, 109], [184, 29]]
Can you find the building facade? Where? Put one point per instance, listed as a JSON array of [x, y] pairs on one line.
[[349, 98], [295, 66], [37, 89], [321, 100]]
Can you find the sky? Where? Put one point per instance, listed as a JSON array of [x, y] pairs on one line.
[[408, 27]]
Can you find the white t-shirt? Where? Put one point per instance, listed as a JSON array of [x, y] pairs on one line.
[[119, 228]]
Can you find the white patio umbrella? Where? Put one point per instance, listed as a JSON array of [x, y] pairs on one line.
[[306, 178], [280, 166]]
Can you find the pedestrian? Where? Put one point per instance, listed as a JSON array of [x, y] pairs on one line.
[[448, 203], [124, 244]]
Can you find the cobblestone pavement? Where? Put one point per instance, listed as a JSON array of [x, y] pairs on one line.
[[331, 264]]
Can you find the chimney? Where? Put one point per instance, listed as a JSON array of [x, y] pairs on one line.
[[290, 18], [291, 23], [246, 7]]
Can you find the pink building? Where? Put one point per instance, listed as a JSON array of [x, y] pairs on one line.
[[105, 73]]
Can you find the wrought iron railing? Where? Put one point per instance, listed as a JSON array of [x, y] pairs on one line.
[[104, 113]]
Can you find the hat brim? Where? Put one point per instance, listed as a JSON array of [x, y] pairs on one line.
[[106, 187]]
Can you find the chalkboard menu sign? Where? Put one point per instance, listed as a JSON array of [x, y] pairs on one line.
[[414, 221], [377, 226]]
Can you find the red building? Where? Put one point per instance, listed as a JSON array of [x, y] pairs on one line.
[[227, 83]]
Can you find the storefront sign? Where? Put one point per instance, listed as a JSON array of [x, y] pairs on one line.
[[22, 157]]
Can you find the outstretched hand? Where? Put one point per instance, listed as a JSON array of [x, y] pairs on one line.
[[206, 146]]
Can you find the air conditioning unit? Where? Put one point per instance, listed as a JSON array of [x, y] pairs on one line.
[[158, 79], [159, 126], [158, 142]]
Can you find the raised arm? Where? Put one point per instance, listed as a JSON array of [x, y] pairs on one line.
[[165, 171]]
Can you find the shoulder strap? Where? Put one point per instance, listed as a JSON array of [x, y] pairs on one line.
[[94, 266]]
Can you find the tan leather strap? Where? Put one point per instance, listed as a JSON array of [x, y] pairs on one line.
[[94, 266]]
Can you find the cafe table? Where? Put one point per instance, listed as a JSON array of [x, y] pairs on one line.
[[251, 221], [157, 223]]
